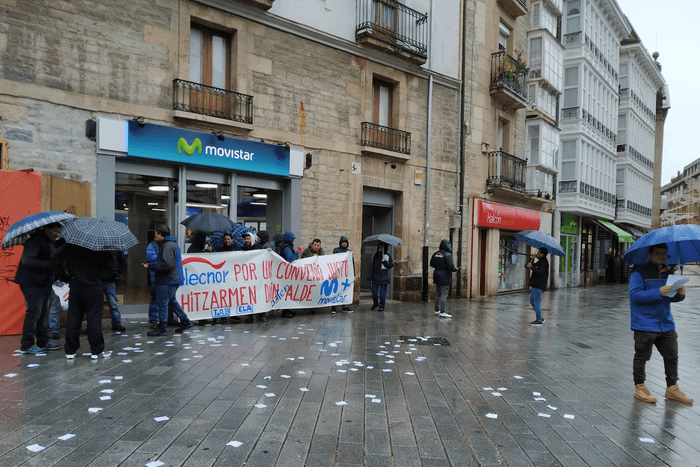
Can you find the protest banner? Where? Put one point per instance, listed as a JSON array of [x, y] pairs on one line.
[[238, 283]]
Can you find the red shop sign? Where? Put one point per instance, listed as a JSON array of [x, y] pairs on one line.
[[500, 216]]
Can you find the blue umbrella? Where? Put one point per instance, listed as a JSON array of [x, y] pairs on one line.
[[538, 239], [19, 232], [683, 242], [383, 238], [217, 238]]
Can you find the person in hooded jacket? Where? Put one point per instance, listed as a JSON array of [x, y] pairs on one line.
[[35, 276], [380, 276], [264, 242], [343, 247], [442, 276], [169, 276], [249, 241], [199, 242], [286, 250]]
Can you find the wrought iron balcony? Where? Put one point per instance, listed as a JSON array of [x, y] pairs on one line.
[[395, 28], [506, 170], [514, 7], [382, 137], [508, 80], [212, 102]]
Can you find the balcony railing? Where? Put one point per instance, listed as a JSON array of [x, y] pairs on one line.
[[509, 74], [573, 38], [636, 154], [394, 24], [382, 137], [506, 170], [514, 7], [568, 186], [213, 102]]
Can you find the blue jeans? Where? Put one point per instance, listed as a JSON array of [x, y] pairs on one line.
[[379, 290], [110, 291], [165, 296], [536, 302], [37, 301], [55, 310]]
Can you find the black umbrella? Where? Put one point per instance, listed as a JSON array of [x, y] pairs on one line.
[[383, 238], [208, 222]]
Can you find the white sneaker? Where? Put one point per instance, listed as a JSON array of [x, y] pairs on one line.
[[445, 315], [70, 356], [94, 356], [437, 313]]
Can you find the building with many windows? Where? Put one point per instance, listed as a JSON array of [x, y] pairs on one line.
[[641, 83], [325, 118]]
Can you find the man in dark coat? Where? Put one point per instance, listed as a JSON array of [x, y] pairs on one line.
[[380, 276], [343, 247], [35, 278], [117, 267], [539, 276], [442, 276], [85, 270]]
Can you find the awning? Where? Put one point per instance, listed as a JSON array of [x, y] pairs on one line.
[[621, 234], [634, 231]]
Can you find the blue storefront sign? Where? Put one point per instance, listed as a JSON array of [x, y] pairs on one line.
[[182, 146]]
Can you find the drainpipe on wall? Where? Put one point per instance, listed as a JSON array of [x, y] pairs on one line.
[[462, 158], [426, 227]]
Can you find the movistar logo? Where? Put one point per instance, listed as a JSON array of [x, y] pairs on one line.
[[189, 150]]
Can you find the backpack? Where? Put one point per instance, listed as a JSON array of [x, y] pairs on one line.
[[437, 261]]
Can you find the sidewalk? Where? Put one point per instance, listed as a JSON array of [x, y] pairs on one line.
[[363, 388]]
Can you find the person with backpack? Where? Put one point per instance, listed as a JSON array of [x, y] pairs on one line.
[[442, 276]]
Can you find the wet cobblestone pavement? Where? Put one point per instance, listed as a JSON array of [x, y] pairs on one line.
[[346, 389]]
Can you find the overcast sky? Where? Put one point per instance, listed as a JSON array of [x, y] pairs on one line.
[[670, 28]]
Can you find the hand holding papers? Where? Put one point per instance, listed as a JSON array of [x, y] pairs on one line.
[[675, 282]]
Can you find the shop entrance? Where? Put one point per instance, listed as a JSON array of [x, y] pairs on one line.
[[567, 264], [146, 196], [375, 220]]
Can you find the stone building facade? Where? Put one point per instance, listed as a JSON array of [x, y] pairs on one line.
[[77, 76]]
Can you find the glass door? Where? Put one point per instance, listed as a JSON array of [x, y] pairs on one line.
[[142, 202]]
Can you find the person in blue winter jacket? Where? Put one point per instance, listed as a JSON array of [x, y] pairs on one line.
[[169, 276], [653, 324], [288, 251]]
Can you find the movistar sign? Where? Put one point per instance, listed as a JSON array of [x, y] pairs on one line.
[[183, 146]]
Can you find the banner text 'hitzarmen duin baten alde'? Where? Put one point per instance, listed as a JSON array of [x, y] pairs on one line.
[[240, 283]]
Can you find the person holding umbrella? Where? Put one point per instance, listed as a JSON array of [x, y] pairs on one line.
[[35, 277], [379, 275], [539, 276], [85, 269], [653, 324]]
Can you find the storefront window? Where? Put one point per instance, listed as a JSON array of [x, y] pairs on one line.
[[142, 202], [260, 208], [511, 263]]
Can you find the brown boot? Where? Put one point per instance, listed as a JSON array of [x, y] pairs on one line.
[[674, 393], [642, 393]]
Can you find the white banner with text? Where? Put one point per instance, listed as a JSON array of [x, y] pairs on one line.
[[238, 283]]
